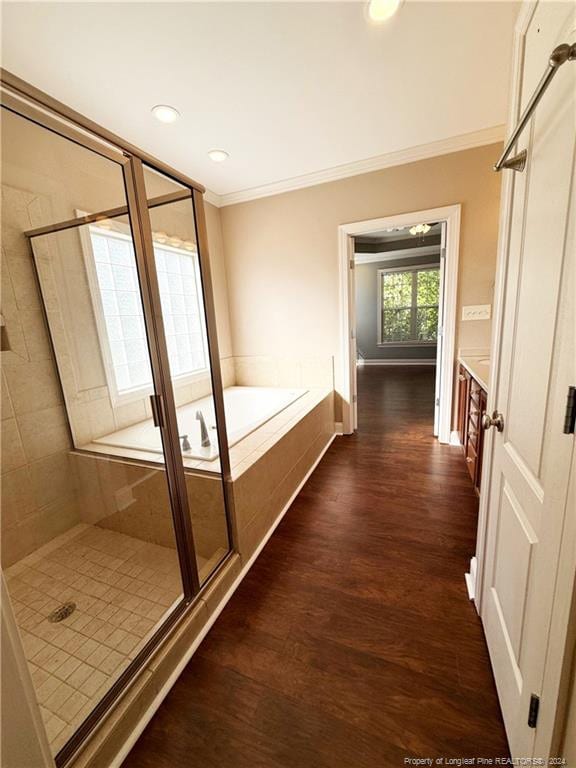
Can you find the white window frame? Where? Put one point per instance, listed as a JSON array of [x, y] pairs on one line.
[[380, 274], [118, 398]]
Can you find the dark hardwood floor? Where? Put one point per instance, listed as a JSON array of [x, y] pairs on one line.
[[351, 643]]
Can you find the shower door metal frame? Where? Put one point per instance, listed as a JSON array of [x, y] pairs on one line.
[[30, 103]]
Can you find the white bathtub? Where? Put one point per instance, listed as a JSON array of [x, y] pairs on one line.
[[247, 408]]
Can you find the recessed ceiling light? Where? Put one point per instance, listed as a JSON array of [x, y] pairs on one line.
[[165, 113], [382, 10], [218, 155]]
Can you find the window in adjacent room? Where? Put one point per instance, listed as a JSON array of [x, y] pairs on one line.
[[408, 305], [113, 279]]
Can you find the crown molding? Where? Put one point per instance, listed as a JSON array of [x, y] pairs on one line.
[[213, 198], [459, 143]]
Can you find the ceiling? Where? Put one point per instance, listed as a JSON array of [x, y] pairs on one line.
[[398, 233], [287, 89]]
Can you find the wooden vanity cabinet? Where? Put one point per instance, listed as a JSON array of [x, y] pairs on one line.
[[471, 406], [463, 393]]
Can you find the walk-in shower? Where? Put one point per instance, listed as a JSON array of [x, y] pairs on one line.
[[110, 326]]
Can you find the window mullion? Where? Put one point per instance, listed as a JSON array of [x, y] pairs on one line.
[[413, 324]]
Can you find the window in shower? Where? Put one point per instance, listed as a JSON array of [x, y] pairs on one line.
[[113, 281]]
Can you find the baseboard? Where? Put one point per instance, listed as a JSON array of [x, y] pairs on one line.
[[339, 428], [470, 578], [398, 361], [163, 692], [455, 438]]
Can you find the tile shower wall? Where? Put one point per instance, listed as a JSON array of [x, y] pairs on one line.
[[276, 371], [37, 490]]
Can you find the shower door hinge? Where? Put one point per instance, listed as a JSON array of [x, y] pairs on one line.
[[570, 416], [157, 414], [533, 710]]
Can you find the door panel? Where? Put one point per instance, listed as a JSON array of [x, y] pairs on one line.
[[511, 574], [531, 458], [183, 289]]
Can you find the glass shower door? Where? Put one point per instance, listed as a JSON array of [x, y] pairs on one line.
[[94, 565], [182, 273]]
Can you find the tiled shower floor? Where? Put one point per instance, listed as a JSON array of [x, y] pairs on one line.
[[122, 587]]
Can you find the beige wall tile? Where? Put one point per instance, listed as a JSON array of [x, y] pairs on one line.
[[51, 478], [131, 413], [21, 540], [44, 432], [24, 281], [58, 517], [228, 374], [34, 386], [13, 455], [101, 417], [35, 334], [6, 404], [17, 497], [91, 506]]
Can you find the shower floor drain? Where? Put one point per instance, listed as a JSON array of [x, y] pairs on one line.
[[62, 612]]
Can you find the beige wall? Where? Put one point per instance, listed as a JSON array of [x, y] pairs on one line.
[[219, 279], [282, 251]]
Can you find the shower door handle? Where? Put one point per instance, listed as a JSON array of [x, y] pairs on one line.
[[157, 413]]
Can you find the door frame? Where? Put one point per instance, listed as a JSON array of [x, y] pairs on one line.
[[562, 631], [346, 371]]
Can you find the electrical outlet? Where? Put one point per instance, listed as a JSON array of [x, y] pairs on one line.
[[476, 312]]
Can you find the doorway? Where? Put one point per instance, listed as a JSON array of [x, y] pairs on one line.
[[411, 255]]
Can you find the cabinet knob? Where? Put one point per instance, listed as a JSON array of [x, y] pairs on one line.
[[496, 420]]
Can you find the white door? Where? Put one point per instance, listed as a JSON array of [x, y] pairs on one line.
[[353, 344], [529, 478], [440, 334]]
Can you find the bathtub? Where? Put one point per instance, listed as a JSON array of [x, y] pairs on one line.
[[246, 408]]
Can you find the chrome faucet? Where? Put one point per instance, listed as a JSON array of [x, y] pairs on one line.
[[205, 437]]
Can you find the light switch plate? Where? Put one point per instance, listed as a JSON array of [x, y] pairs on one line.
[[476, 312]]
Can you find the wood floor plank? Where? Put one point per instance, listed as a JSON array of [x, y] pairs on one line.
[[351, 643]]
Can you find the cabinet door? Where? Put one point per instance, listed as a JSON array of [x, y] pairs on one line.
[[463, 389], [480, 441]]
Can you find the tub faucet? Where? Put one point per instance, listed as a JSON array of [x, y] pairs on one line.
[[203, 430]]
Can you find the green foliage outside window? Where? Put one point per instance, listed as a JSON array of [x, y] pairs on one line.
[[410, 305]]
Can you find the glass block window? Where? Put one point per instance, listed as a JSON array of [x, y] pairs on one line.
[[120, 317], [409, 305]]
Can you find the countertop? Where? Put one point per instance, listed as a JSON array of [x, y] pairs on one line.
[[478, 367]]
